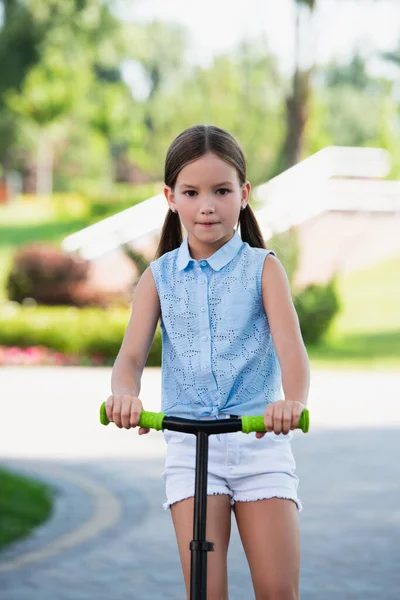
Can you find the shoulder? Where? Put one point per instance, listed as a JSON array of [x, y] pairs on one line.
[[274, 279]]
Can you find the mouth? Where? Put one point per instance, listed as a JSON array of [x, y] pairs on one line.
[[210, 224]]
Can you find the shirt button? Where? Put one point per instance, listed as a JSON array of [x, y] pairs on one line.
[[203, 309], [205, 366], [202, 281], [203, 263], [204, 338]]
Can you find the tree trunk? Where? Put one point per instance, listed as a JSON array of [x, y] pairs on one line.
[[297, 104], [44, 181], [296, 118]]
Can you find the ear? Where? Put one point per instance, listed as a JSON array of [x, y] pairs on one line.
[[170, 196], [246, 189]]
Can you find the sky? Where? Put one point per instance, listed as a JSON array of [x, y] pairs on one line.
[[217, 26]]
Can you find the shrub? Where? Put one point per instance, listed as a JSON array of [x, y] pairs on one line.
[[87, 331], [316, 307], [50, 276], [46, 274]]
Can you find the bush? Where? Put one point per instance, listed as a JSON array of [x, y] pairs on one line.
[[316, 307], [46, 274], [85, 331], [51, 276]]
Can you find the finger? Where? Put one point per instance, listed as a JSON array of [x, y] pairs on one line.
[[286, 418], [259, 435], [268, 419], [136, 409], [109, 407], [297, 414], [143, 430], [278, 419], [126, 413], [116, 414]]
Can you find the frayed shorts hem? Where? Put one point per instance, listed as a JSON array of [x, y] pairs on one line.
[[284, 494]]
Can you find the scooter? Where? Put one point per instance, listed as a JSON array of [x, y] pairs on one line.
[[199, 546]]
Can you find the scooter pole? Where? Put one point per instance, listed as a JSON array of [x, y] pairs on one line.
[[199, 545]]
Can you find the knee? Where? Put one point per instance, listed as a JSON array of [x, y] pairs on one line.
[[277, 591]]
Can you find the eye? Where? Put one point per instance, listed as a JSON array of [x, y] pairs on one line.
[[224, 190], [191, 193]]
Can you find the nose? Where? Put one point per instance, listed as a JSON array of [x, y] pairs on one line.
[[207, 208]]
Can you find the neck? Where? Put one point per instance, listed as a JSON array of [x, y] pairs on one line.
[[199, 250]]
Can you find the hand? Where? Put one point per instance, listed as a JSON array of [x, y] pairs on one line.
[[124, 410], [282, 416]]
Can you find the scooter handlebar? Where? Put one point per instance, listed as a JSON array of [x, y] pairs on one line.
[[152, 420]]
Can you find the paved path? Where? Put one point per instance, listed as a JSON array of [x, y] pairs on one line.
[[109, 535]]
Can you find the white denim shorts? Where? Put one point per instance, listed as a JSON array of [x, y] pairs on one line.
[[239, 464]]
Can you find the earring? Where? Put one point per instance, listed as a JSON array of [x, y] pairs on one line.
[[243, 207]]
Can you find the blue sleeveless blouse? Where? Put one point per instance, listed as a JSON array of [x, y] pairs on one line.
[[218, 354]]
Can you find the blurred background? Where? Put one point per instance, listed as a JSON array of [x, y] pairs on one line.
[[92, 92]]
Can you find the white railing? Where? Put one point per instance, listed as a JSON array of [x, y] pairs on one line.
[[304, 191], [372, 196], [128, 225], [292, 197]]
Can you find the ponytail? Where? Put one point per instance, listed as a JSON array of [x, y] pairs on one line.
[[250, 231], [171, 234]]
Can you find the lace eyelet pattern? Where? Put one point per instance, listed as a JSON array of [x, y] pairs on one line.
[[218, 353]]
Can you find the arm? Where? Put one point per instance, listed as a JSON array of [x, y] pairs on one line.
[[288, 342], [130, 362]]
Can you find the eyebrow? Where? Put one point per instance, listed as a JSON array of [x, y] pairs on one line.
[[216, 185]]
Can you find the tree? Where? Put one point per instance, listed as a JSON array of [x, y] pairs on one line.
[[297, 101], [73, 44], [44, 104]]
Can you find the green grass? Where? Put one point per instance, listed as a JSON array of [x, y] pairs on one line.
[[366, 334], [24, 504]]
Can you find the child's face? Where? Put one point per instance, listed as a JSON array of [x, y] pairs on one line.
[[208, 190]]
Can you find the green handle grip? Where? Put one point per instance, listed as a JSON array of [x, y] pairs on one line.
[[151, 420], [250, 423], [148, 420]]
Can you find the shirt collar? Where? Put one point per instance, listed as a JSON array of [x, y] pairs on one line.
[[219, 259]]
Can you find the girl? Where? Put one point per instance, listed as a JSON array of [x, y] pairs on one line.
[[231, 342]]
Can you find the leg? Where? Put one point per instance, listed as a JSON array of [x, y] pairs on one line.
[[270, 535], [218, 532]]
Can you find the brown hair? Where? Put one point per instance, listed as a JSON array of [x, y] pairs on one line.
[[190, 145]]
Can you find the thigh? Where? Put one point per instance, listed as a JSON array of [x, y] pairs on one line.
[[269, 532], [218, 531]]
